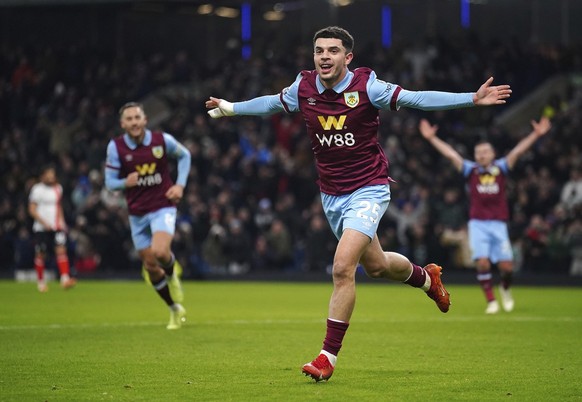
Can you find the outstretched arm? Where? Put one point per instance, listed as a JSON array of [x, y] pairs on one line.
[[263, 105], [429, 133], [389, 96], [539, 129]]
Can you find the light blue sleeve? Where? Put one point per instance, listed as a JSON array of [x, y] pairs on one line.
[[271, 104], [385, 95], [290, 95], [468, 166], [181, 153], [502, 163], [112, 166], [434, 100], [261, 106], [380, 92]]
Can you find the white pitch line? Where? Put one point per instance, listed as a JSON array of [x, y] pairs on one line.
[[194, 323]]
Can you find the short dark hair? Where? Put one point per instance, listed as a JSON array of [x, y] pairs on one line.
[[336, 32], [46, 167], [128, 105]]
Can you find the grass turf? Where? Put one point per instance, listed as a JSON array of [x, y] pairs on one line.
[[247, 342]]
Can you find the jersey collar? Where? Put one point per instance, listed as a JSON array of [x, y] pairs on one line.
[[147, 140], [340, 86]]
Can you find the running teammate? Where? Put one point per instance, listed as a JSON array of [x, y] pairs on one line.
[[137, 162]]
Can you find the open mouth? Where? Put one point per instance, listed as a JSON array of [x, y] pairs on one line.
[[325, 68]]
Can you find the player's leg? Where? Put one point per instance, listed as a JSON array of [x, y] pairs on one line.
[[163, 227], [353, 219], [343, 299], [161, 243], [40, 247], [480, 247], [382, 264], [39, 267], [62, 259], [141, 234], [502, 253]]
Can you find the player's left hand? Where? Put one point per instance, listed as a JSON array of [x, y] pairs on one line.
[[175, 193], [491, 95]]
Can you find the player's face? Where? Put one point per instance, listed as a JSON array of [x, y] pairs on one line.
[[484, 154], [49, 177], [133, 121], [331, 60]]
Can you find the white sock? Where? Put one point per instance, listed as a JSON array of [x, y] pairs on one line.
[[427, 282], [332, 358], [65, 277]]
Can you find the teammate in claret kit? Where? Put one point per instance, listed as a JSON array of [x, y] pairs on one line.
[[137, 162], [488, 235]]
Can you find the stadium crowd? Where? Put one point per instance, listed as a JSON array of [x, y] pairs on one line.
[[251, 203]]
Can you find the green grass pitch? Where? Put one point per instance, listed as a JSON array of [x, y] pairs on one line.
[[106, 341]]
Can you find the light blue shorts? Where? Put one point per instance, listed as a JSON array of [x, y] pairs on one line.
[[142, 227], [360, 210], [490, 239]]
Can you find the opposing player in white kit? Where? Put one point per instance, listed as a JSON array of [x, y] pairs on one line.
[[340, 108], [49, 228]]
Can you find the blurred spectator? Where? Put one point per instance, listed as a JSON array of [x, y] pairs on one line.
[[238, 249], [571, 195], [279, 242], [575, 242], [213, 250], [450, 220], [319, 245], [536, 242], [264, 215]]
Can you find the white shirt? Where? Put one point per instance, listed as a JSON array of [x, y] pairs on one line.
[[48, 201], [572, 193]]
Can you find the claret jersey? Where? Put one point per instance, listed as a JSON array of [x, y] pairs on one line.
[[150, 160], [486, 186], [343, 128]]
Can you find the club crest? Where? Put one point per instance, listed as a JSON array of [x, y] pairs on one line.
[[352, 98], [158, 151]]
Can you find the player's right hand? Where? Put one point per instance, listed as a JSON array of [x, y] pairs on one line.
[[131, 180], [219, 108]]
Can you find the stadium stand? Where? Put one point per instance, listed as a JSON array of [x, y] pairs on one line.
[[251, 204]]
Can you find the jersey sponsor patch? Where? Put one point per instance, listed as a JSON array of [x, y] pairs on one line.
[[352, 98], [329, 122]]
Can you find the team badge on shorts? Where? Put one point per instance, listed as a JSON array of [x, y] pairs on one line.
[[158, 151], [352, 98]]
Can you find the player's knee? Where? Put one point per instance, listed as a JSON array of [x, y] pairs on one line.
[[483, 264], [342, 273], [161, 254]]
